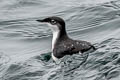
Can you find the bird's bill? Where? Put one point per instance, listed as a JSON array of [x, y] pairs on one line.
[[43, 20], [40, 20]]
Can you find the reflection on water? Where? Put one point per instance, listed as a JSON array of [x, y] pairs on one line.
[[26, 44]]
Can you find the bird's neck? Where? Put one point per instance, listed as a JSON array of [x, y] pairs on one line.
[[58, 36]]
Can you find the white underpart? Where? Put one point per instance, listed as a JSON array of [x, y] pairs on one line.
[[54, 58], [55, 32], [80, 53]]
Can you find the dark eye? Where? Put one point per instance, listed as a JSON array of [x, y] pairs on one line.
[[53, 22]]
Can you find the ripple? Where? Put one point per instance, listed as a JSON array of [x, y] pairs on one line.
[[28, 43], [4, 60]]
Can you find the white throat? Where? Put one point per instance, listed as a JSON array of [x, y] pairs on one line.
[[55, 32], [54, 39]]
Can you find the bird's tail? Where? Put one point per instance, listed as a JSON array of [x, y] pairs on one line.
[[94, 48]]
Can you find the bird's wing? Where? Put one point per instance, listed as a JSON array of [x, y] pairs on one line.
[[82, 46], [63, 50], [72, 48]]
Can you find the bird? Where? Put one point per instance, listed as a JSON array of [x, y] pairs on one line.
[[62, 44]]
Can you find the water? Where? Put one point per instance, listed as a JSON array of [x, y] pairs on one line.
[[25, 45]]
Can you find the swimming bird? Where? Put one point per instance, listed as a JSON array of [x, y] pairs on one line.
[[62, 44]]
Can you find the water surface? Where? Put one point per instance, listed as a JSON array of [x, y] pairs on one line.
[[25, 42]]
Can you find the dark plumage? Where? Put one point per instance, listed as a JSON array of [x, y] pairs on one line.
[[69, 47], [63, 45]]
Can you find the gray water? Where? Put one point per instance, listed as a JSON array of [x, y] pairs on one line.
[[25, 43]]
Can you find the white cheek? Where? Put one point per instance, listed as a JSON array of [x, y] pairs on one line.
[[54, 28]]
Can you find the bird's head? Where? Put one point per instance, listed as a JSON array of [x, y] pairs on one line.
[[56, 23]]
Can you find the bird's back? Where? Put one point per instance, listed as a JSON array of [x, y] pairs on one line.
[[69, 47]]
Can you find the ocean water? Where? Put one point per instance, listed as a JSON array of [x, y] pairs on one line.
[[25, 45]]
